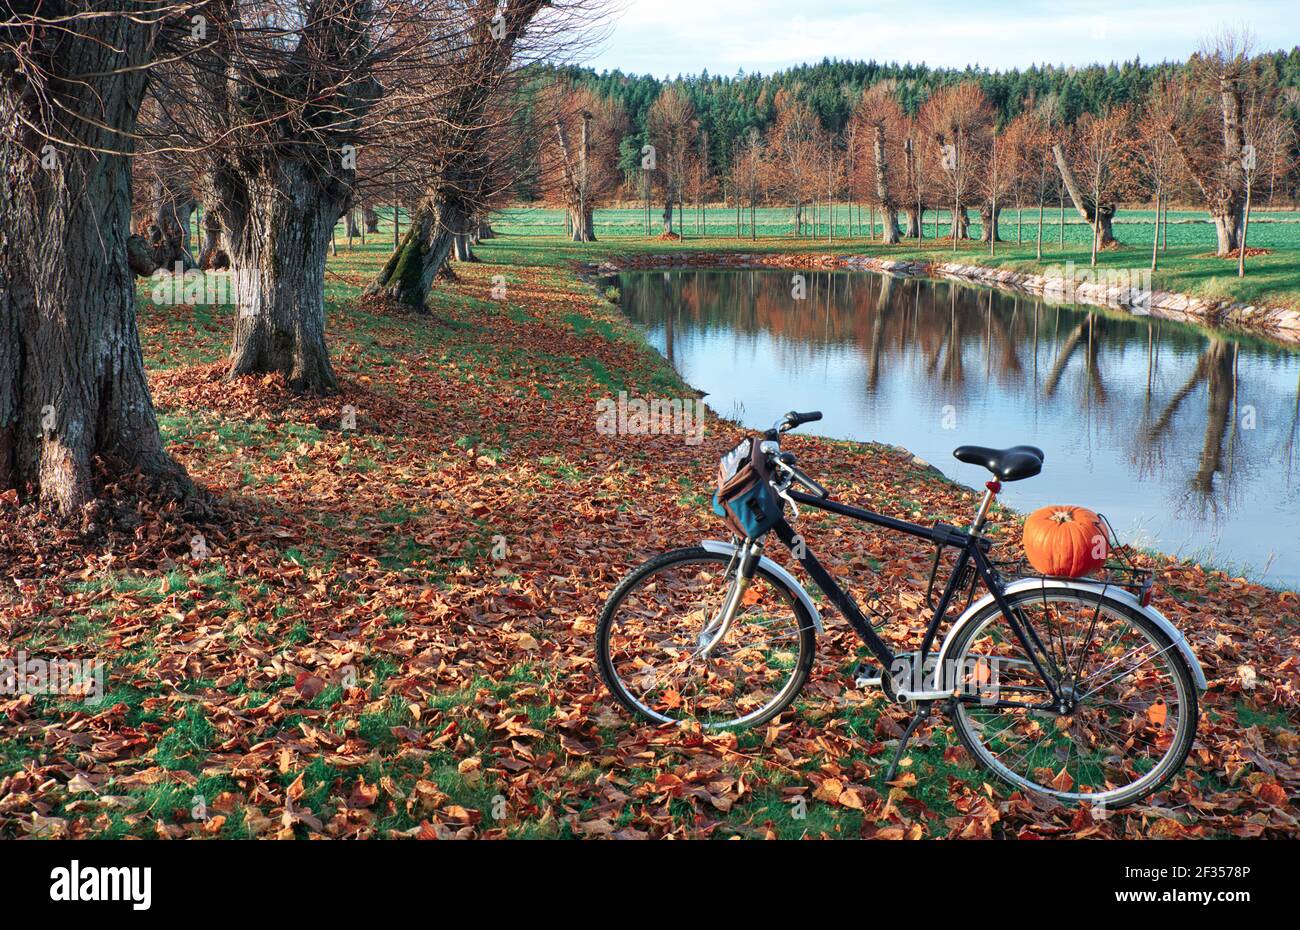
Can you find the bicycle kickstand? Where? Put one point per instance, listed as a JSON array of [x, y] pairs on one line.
[[921, 715]]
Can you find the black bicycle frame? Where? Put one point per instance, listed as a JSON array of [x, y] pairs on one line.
[[972, 549]]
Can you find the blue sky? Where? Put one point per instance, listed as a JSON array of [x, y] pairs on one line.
[[668, 37]]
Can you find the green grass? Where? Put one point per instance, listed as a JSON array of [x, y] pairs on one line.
[[1188, 266]]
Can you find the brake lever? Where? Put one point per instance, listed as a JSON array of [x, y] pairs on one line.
[[783, 492]]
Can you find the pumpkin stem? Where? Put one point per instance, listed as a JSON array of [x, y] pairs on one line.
[[1062, 516]]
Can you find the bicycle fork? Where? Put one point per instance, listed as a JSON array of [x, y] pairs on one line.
[[746, 561]]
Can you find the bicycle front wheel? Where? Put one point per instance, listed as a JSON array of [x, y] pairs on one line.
[[651, 633], [1124, 715]]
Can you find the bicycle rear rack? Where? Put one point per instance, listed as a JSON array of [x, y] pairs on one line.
[[1118, 572]]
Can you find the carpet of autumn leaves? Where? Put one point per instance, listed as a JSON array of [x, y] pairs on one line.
[[391, 632]]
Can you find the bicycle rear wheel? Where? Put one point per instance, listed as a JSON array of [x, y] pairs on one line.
[[654, 624], [1125, 716]]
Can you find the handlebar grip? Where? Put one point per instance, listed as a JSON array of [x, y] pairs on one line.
[[798, 419]]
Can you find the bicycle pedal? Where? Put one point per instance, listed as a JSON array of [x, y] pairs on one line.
[[866, 675]]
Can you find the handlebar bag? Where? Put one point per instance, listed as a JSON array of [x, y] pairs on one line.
[[745, 498]]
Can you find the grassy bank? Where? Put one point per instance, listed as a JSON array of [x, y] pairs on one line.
[[390, 633]]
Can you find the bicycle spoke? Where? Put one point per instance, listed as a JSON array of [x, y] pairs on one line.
[[656, 635], [1103, 738]]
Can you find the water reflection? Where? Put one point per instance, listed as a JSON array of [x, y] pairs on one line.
[[1185, 439]]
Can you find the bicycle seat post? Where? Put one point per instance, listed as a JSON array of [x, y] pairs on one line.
[[991, 491]]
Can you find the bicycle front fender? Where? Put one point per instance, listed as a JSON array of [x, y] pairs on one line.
[[725, 548], [1119, 594]]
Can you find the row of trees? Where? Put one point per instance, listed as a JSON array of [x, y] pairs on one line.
[[278, 117], [1219, 131], [729, 108]]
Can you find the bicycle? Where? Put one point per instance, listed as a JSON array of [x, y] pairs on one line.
[[1075, 688]]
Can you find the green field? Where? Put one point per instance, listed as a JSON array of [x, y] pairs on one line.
[[1187, 264], [1268, 228]]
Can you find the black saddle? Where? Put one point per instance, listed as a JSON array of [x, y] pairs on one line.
[[1008, 464]]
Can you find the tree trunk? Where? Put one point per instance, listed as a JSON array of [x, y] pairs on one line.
[[668, 216], [1098, 217], [1245, 228], [408, 274], [279, 222], [888, 209], [212, 257], [72, 381], [989, 218], [961, 223], [168, 231], [1227, 228], [583, 228], [461, 224], [1224, 190], [1039, 251], [912, 223], [372, 218], [1155, 240]]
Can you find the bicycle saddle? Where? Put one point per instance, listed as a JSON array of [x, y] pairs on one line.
[[1008, 464]]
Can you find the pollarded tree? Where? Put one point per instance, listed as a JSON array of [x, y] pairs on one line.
[[279, 96], [1209, 132], [1100, 167], [672, 129], [469, 138], [164, 202], [959, 122], [1086, 145], [579, 155], [876, 130], [72, 385]]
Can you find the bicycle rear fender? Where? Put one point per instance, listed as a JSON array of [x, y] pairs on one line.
[[725, 548], [1119, 594]]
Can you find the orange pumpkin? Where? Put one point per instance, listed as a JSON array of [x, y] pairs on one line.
[[1066, 541]]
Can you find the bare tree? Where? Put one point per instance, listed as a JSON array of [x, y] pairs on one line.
[[1097, 169], [958, 121], [1209, 133], [278, 103], [672, 128], [876, 126], [472, 137], [795, 146], [579, 156], [1261, 124], [1158, 163], [997, 183]]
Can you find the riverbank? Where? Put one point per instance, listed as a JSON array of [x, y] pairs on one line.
[[388, 632], [1127, 291]]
